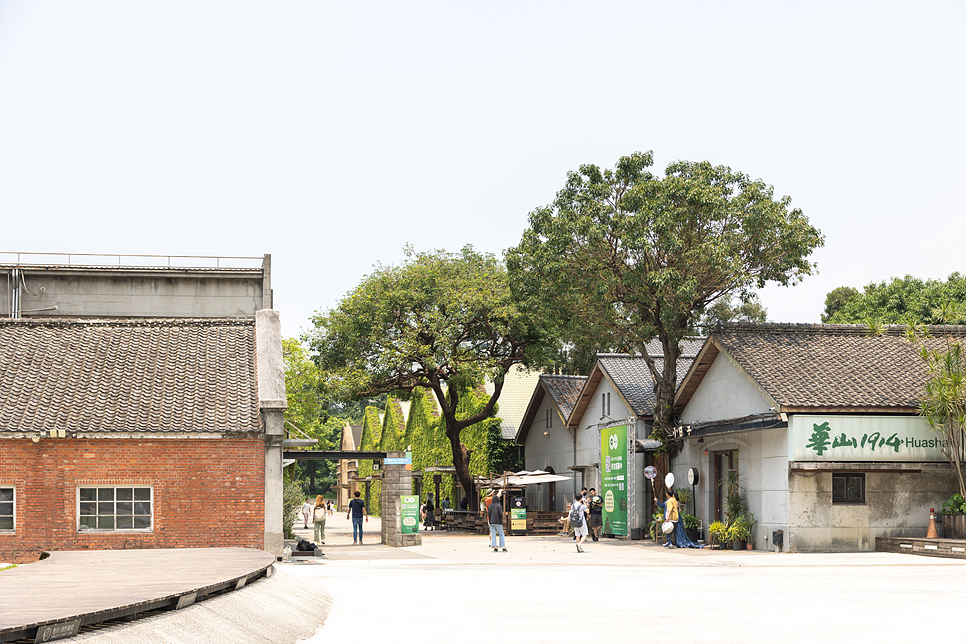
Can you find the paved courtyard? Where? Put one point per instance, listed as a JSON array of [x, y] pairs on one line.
[[454, 588]]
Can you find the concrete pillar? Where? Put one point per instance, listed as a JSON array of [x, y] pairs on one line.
[[270, 376]]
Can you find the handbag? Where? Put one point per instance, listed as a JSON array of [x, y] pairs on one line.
[[667, 527]]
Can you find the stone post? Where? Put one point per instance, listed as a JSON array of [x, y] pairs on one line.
[[397, 480]]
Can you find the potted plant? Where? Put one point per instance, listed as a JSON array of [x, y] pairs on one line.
[[718, 533], [738, 534], [749, 520], [691, 525], [954, 517]]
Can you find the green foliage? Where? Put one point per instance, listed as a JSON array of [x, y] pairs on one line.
[[956, 504], [738, 531], [943, 402], [293, 495], [438, 321], [745, 307], [718, 531], [683, 494], [906, 300], [622, 257], [691, 522], [657, 520]]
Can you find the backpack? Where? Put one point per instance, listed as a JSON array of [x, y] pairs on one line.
[[305, 546], [575, 518], [319, 514]]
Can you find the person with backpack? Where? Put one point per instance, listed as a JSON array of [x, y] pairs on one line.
[[318, 518], [578, 519]]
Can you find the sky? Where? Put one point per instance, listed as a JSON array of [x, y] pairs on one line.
[[331, 134]]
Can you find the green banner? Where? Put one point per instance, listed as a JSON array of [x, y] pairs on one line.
[[613, 479], [410, 514]]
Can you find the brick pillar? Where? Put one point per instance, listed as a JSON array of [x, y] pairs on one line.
[[397, 480]]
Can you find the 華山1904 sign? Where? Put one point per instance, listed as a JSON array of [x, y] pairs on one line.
[[863, 438], [614, 479]]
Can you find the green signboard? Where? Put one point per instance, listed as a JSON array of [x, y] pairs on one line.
[[410, 514], [613, 477], [518, 519]]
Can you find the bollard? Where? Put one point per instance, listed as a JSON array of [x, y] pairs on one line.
[[931, 532]]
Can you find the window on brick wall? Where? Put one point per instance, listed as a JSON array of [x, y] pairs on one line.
[[114, 508], [8, 499]]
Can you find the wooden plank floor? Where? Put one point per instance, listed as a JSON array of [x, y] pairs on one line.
[[77, 584], [949, 548]]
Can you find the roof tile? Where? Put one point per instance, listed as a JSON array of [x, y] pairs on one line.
[[181, 375]]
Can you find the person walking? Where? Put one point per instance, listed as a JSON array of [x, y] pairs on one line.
[[318, 518], [357, 510], [429, 519], [306, 512], [495, 519], [671, 506], [578, 515], [444, 504], [596, 517], [328, 506]]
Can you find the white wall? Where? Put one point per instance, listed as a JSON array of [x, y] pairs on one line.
[[763, 472], [724, 393], [543, 452]]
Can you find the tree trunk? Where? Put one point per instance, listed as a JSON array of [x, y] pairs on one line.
[[461, 461]]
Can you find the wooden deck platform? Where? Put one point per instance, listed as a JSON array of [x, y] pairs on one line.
[[70, 590], [949, 548]]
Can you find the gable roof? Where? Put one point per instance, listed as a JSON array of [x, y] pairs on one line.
[[512, 405], [631, 378], [563, 391], [813, 367], [171, 375]]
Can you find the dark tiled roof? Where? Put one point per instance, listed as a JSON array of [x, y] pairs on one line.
[[128, 376], [832, 365], [564, 390], [633, 379], [689, 349]]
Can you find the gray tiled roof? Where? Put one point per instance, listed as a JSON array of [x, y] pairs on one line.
[[633, 379], [689, 348], [128, 376], [832, 365], [564, 390]]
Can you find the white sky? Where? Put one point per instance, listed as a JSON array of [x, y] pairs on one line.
[[329, 134]]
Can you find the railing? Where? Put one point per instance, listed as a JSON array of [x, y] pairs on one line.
[[130, 261]]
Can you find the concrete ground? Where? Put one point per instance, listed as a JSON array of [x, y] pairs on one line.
[[454, 588]]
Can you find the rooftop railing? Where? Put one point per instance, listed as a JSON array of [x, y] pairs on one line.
[[129, 261]]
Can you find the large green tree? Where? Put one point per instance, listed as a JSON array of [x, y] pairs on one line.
[[905, 300], [440, 322], [622, 256]]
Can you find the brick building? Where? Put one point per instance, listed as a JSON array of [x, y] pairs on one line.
[[140, 433]]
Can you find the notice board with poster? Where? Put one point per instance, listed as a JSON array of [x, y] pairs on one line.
[[614, 465]]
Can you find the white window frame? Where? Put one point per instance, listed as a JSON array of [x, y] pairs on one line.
[[115, 487], [13, 530]]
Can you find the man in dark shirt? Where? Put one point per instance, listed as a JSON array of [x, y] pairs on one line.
[[495, 518], [357, 509]]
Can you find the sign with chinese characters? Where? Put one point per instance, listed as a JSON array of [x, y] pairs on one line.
[[863, 439], [58, 631], [518, 519], [613, 479], [410, 514]]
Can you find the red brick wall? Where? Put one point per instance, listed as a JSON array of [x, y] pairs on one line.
[[206, 492]]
